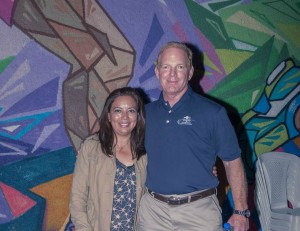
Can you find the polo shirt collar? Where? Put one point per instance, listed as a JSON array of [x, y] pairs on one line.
[[185, 97]]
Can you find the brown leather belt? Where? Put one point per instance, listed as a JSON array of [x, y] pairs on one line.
[[178, 200]]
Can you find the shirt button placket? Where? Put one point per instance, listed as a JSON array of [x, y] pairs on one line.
[[168, 121]]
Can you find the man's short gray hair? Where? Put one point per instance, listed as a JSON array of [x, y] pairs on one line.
[[179, 45]]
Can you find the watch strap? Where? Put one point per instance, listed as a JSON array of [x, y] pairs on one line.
[[246, 213]]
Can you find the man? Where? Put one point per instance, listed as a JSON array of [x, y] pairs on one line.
[[185, 133]]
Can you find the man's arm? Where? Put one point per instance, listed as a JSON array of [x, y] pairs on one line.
[[238, 183]]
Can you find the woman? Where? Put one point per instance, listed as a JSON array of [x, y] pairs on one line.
[[110, 169]]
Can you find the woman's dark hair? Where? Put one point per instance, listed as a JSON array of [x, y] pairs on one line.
[[106, 132]]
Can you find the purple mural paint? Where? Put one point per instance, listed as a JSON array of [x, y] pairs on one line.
[[6, 11]]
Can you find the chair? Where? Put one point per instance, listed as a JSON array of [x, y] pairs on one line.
[[277, 191], [261, 199]]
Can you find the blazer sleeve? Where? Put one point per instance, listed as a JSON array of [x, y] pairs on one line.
[[79, 190]]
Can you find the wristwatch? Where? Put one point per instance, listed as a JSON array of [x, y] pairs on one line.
[[245, 213]]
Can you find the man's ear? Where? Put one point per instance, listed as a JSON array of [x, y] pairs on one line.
[[156, 71], [191, 72]]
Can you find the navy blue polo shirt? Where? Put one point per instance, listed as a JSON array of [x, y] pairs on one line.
[[183, 142]]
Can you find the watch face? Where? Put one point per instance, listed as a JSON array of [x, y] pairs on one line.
[[247, 213]]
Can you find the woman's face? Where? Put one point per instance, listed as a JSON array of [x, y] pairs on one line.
[[123, 115]]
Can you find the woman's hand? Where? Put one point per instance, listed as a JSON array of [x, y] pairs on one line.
[[215, 171]]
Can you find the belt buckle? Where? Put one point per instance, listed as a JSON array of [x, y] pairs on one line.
[[151, 193], [173, 200]]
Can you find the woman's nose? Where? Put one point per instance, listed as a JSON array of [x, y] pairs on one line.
[[125, 114]]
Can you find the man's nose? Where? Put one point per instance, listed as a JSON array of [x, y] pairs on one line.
[[172, 71]]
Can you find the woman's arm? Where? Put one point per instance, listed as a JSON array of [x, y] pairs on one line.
[[79, 191]]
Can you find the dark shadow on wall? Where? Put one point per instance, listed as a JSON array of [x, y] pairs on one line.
[[198, 69], [145, 97]]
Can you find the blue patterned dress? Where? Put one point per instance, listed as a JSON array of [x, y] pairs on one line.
[[124, 201]]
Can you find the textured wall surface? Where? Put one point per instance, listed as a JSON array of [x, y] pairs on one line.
[[60, 59]]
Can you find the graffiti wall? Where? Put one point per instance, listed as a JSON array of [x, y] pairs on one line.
[[60, 59]]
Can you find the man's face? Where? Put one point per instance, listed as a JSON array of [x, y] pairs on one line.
[[173, 72]]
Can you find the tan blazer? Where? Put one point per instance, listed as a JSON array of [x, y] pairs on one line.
[[93, 185]]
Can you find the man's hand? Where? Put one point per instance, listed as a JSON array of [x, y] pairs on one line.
[[215, 171], [239, 223]]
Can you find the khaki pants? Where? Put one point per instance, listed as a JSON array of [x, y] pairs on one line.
[[200, 215]]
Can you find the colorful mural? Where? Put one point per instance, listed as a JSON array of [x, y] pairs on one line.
[[60, 59]]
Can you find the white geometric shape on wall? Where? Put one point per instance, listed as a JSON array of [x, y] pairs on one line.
[[47, 131], [11, 128], [16, 151]]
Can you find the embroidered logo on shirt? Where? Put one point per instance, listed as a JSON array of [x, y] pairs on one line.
[[187, 120]]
